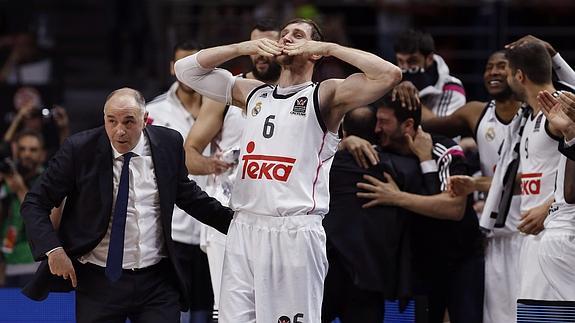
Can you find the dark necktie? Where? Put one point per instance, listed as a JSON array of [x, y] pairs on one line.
[[116, 247]]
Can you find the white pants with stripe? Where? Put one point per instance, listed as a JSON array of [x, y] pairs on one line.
[[548, 266], [274, 269], [502, 278]]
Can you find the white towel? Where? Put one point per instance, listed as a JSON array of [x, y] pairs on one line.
[[502, 185]]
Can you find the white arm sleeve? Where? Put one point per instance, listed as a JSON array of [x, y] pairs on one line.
[[214, 83], [564, 72]]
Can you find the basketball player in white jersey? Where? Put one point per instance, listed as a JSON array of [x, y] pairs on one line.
[[530, 73], [487, 122], [221, 126], [556, 252], [275, 261]]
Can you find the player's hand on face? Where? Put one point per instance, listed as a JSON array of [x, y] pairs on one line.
[[362, 151], [263, 46], [380, 193], [532, 221], [61, 265], [421, 145], [460, 185], [306, 47], [407, 94], [529, 39]]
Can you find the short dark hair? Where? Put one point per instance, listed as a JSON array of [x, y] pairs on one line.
[[29, 133], [266, 24], [316, 33], [401, 113], [533, 59], [412, 41], [185, 45], [361, 122]]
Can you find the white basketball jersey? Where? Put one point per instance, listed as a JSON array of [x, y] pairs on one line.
[[561, 213], [286, 155], [228, 140], [489, 135], [539, 159]]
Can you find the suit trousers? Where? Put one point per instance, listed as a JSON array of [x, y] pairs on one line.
[[144, 295]]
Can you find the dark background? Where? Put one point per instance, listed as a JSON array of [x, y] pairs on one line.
[[101, 45]]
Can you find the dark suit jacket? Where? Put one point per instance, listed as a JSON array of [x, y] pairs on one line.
[[374, 243], [82, 172]]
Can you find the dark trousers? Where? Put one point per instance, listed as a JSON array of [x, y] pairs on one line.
[[459, 289], [195, 268], [148, 295], [344, 300]]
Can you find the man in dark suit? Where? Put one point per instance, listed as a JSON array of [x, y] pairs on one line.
[[368, 249], [114, 243]]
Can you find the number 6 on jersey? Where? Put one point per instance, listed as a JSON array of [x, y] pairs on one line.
[[268, 131]]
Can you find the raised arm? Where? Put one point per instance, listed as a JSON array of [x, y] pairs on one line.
[[199, 71], [340, 96]]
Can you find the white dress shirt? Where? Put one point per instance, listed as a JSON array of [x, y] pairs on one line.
[[143, 238]]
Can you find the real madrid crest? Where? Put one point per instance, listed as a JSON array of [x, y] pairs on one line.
[[257, 108], [490, 134]]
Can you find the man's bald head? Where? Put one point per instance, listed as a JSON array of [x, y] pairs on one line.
[[124, 118]]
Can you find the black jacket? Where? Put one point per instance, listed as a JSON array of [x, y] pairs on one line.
[[82, 172], [373, 242]]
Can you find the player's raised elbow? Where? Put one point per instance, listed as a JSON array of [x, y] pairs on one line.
[[188, 70], [395, 75]]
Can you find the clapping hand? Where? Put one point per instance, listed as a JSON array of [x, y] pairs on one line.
[[558, 111]]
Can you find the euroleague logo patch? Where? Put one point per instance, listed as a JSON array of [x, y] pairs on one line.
[[299, 106]]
